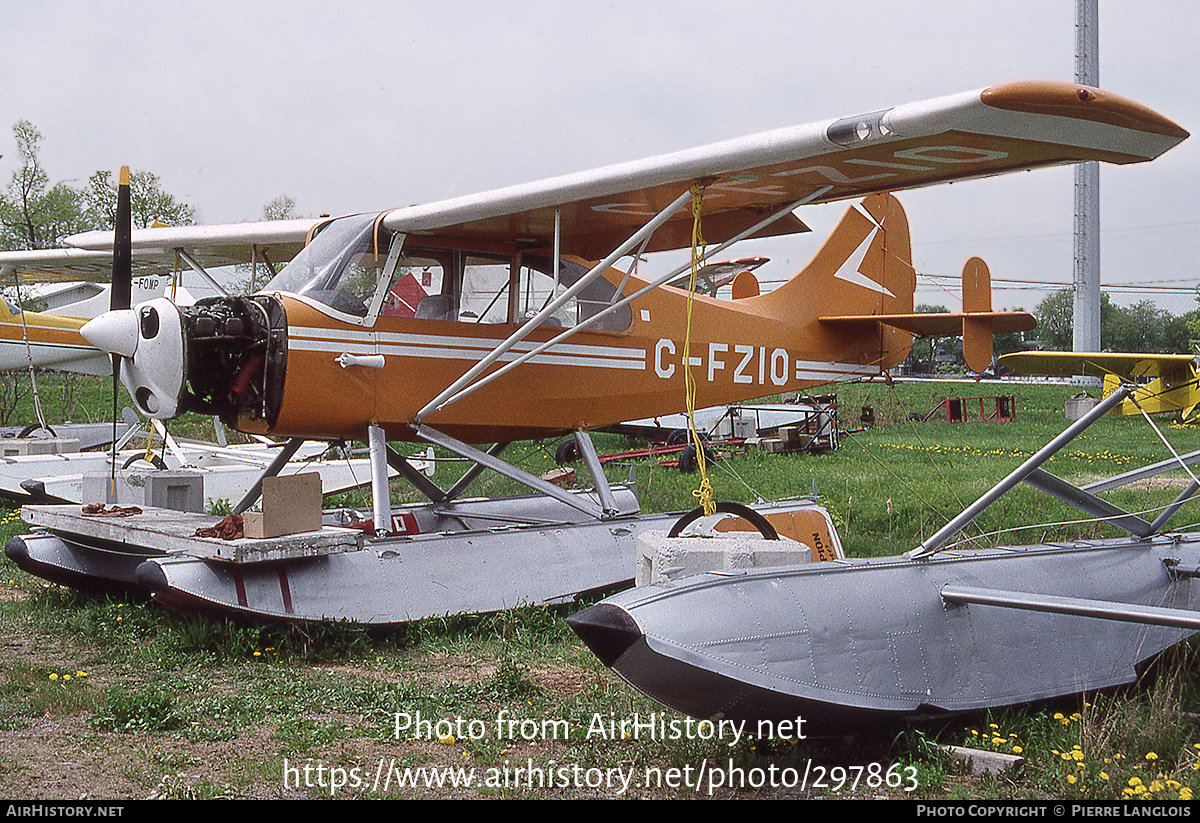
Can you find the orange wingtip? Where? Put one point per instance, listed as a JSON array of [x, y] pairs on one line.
[[1082, 102]]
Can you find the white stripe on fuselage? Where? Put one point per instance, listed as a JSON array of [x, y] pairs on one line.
[[446, 347]]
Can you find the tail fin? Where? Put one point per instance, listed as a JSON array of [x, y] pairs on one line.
[[863, 270], [977, 323]]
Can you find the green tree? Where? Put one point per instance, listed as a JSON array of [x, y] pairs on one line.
[[33, 213], [148, 202], [248, 278], [1056, 321], [280, 208], [1141, 328]]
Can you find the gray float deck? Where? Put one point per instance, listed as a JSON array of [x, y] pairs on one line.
[[165, 531]]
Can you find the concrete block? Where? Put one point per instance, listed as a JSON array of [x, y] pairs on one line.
[[981, 761], [661, 557], [1078, 406], [19, 446], [179, 490], [290, 505]]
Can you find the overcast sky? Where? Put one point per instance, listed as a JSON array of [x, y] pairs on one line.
[[357, 106]]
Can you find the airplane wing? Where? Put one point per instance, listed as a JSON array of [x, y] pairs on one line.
[[89, 255], [1096, 364], [975, 134]]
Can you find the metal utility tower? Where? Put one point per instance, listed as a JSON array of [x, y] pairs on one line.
[[1087, 192]]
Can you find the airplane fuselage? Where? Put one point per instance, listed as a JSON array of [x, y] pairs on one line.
[[595, 379]]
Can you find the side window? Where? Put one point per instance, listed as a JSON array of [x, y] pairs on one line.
[[484, 296], [539, 286], [434, 284], [416, 290]]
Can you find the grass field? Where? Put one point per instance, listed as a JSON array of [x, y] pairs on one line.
[[110, 697]]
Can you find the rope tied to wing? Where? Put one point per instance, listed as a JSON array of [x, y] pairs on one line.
[[705, 491]]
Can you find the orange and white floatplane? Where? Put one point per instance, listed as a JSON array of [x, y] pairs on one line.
[[526, 313]]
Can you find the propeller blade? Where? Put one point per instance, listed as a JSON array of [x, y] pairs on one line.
[[121, 292], [122, 273]]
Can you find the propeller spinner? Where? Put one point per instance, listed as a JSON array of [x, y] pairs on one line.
[[146, 342]]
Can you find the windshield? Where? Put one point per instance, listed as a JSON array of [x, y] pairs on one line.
[[339, 267]]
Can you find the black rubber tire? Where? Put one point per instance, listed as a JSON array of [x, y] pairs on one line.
[[155, 461], [32, 427], [567, 452], [689, 462], [745, 512]]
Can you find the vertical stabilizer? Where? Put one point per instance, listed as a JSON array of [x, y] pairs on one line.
[[864, 269], [977, 299]]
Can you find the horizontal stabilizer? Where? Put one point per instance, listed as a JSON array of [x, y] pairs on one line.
[[940, 324], [976, 324]]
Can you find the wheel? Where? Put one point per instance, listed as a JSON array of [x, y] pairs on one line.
[[567, 452], [678, 437], [688, 462], [32, 427], [745, 512]]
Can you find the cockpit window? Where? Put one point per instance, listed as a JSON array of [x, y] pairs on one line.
[[339, 268]]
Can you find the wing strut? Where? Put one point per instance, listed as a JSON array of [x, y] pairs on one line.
[[942, 535], [196, 267], [598, 270], [600, 315]]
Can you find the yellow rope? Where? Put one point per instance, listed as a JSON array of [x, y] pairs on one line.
[[704, 492]]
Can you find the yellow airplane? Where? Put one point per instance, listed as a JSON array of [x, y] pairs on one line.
[[505, 316], [1167, 382]]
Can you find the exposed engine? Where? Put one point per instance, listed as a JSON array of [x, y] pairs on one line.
[[236, 351]]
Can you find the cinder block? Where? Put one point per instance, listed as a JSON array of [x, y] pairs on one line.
[[660, 556], [290, 505], [179, 489], [19, 446], [1078, 406]]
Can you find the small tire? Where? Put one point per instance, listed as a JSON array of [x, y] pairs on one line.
[[745, 512], [567, 452], [155, 461]]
